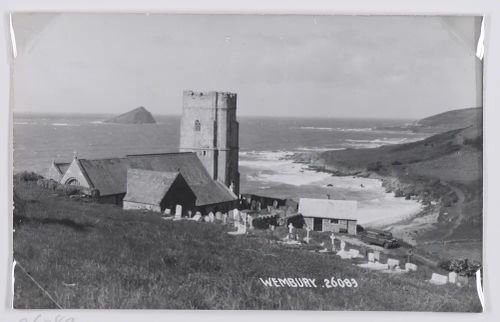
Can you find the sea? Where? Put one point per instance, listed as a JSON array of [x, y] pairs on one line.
[[265, 143]]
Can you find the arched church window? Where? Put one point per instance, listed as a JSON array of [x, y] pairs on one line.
[[73, 182], [197, 125]]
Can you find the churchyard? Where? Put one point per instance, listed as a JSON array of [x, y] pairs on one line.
[[90, 255]]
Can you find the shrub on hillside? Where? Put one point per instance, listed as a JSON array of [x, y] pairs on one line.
[[47, 183], [26, 176], [297, 221], [462, 266], [264, 223], [374, 166]]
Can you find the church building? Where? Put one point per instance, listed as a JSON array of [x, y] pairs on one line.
[[203, 176]]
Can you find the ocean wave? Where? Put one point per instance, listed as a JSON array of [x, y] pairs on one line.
[[331, 129], [64, 124]]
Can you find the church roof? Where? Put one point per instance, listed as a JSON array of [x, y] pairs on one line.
[[149, 187], [207, 190], [109, 176], [62, 166]]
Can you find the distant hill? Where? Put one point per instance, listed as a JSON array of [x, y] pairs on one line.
[[452, 120], [136, 116], [446, 121]]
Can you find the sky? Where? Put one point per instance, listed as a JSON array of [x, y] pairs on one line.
[[279, 65]]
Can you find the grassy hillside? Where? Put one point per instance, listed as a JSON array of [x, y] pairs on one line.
[[98, 256], [447, 121], [452, 120], [444, 168]]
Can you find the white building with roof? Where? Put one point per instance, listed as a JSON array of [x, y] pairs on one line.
[[338, 216]]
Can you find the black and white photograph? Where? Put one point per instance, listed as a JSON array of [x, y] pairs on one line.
[[247, 161]]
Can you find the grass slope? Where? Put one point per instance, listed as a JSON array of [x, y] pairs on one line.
[[99, 256]]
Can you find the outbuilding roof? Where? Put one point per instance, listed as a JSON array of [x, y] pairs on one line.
[[327, 208], [149, 187]]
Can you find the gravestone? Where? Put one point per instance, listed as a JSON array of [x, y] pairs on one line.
[[342, 246], [206, 218], [242, 229], [211, 217], [438, 279], [332, 238], [224, 218], [258, 206], [250, 222], [197, 217], [354, 252], [392, 263], [178, 211], [167, 211], [272, 227], [189, 214], [236, 214], [218, 215], [275, 204], [452, 277], [410, 267], [376, 256], [307, 239], [290, 228]]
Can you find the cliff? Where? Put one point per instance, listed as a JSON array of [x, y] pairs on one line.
[[136, 116]]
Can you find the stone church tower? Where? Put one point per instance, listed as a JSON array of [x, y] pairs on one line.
[[209, 128]]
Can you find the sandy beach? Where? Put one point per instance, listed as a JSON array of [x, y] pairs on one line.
[[271, 173]]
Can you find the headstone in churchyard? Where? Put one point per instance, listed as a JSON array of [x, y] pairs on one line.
[[392, 263], [242, 228], [224, 218], [354, 253], [211, 217], [275, 204], [371, 257], [452, 277], [236, 214], [342, 246], [438, 279], [307, 239], [250, 222], [218, 215], [258, 206], [290, 228], [206, 218], [190, 213], [376, 256], [197, 216], [178, 212], [167, 211], [410, 267], [253, 205], [332, 238], [272, 227]]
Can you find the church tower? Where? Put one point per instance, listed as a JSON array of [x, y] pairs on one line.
[[209, 128]]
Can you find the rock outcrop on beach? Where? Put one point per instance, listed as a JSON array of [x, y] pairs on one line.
[[444, 169], [136, 116]]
